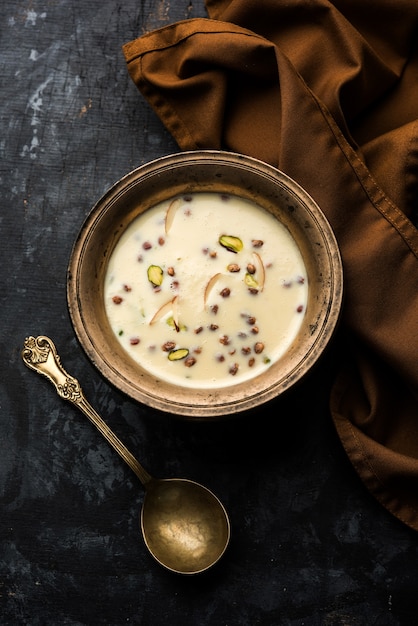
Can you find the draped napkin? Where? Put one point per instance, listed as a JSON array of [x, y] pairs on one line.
[[326, 91]]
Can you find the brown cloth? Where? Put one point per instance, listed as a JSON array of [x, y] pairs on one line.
[[328, 93]]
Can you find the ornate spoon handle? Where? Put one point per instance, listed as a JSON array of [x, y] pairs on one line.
[[40, 355]]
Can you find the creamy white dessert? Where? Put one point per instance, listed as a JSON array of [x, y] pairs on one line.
[[206, 290]]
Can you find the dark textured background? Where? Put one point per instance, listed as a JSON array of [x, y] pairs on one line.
[[309, 545]]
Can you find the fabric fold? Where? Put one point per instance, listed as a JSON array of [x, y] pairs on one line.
[[306, 89]]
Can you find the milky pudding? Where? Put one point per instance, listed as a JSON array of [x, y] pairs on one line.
[[206, 290]]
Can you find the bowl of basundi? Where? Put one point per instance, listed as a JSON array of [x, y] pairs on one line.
[[205, 284]]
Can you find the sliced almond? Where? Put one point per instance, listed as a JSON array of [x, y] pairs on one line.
[[170, 214], [166, 308], [210, 285], [261, 271], [176, 312]]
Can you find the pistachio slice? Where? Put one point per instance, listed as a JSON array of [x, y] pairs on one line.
[[233, 244], [171, 212], [178, 354], [155, 275], [171, 322], [250, 281]]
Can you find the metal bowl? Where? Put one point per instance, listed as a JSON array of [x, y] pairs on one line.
[[210, 171]]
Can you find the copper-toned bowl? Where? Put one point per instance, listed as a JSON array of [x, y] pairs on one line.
[[211, 171]]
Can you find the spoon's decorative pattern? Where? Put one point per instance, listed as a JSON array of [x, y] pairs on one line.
[[40, 355]]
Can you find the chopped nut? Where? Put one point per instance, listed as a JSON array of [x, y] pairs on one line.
[[233, 267], [224, 340], [117, 299], [170, 271], [253, 290], [198, 330], [168, 345], [251, 268], [220, 358], [251, 320], [213, 254], [234, 369], [177, 355], [300, 308], [251, 362], [255, 330], [233, 244], [190, 361], [147, 245], [134, 341], [246, 350], [213, 327], [259, 347], [214, 308], [127, 288], [257, 243], [225, 292], [155, 275], [161, 241]]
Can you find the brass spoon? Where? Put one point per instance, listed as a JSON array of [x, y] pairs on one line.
[[184, 525]]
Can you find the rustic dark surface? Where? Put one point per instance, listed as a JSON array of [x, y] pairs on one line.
[[309, 545]]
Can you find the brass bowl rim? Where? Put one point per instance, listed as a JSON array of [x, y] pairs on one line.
[[208, 403]]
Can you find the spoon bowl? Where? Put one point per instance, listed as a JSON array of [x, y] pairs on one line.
[[184, 525]]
